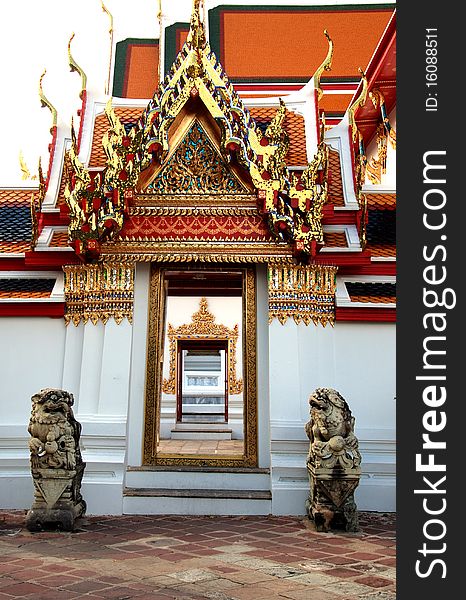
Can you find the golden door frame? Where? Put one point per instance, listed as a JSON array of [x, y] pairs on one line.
[[154, 379]]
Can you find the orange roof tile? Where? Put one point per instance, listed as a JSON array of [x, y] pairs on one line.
[[59, 239], [282, 43], [374, 299], [14, 247], [335, 239], [381, 201], [294, 125], [101, 126], [335, 188], [382, 250]]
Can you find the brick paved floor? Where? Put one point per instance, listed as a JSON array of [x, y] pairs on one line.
[[220, 558]]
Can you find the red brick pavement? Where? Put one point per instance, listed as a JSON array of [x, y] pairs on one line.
[[194, 558]]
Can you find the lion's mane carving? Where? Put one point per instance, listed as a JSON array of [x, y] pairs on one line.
[[331, 431], [55, 432]]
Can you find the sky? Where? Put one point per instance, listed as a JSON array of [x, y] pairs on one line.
[[34, 36]]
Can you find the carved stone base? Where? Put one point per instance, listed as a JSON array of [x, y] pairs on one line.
[[39, 519], [57, 499], [331, 499]]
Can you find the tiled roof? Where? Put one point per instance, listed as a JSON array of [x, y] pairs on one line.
[[61, 188], [15, 221], [335, 191], [335, 239], [59, 239], [382, 250], [126, 115], [381, 293], [381, 201], [294, 125], [381, 227], [26, 288]]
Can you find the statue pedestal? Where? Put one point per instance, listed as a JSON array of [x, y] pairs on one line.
[[331, 498], [57, 499]]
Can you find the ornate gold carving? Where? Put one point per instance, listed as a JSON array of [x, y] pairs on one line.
[[359, 101], [75, 68], [206, 201], [36, 207], [203, 327], [151, 211], [174, 251], [325, 66], [110, 32], [195, 167], [45, 103], [98, 292], [305, 293], [98, 201], [154, 380], [376, 167]]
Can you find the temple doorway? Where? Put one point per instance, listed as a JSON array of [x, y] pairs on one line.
[[201, 392]]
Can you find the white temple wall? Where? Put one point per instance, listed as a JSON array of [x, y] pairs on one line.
[[357, 359], [31, 350]]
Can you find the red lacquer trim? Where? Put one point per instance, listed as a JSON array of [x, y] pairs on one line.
[[387, 315], [32, 309]]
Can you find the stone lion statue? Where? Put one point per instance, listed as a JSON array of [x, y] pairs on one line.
[[331, 430], [57, 467], [333, 462], [55, 432]]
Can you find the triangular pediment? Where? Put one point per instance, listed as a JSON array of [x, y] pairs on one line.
[[196, 167]]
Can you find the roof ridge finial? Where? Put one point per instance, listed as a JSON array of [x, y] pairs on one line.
[[197, 35]]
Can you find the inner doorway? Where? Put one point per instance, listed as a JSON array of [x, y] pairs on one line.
[[202, 391], [201, 405]]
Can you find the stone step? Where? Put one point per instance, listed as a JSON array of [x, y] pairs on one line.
[[200, 424], [196, 502], [194, 478], [201, 434]]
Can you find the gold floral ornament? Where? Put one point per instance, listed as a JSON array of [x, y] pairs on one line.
[[376, 167], [98, 292], [203, 327], [360, 159], [99, 201], [304, 293]]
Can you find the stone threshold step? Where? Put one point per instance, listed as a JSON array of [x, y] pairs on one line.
[[189, 469], [204, 493]]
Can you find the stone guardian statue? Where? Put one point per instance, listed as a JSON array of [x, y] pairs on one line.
[[333, 462], [57, 467]]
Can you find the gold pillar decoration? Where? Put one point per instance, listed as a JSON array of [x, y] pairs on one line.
[[36, 207], [203, 327], [304, 293], [98, 292]]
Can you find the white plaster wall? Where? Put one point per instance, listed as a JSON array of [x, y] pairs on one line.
[[31, 358], [357, 359]]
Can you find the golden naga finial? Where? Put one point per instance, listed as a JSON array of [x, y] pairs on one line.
[[26, 173], [110, 31], [197, 36], [360, 101], [325, 66], [75, 68], [46, 103]]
